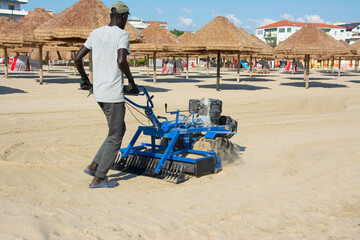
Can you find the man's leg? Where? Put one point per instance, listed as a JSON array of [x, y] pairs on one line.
[[95, 163], [115, 114]]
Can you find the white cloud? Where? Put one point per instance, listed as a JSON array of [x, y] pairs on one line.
[[187, 10], [248, 27], [234, 19], [300, 19], [314, 19], [186, 22], [263, 22], [159, 11], [286, 16]]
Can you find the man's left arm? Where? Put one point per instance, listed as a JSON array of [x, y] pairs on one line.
[[124, 67]]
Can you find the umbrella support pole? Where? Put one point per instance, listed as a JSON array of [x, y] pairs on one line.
[[154, 64], [356, 65], [251, 66], [327, 65], [293, 66], [6, 63], [208, 64], [307, 57], [218, 71], [41, 65], [187, 66], [48, 68], [339, 66], [238, 69], [333, 65], [147, 65]]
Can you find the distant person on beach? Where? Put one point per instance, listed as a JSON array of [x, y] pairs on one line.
[[109, 47]]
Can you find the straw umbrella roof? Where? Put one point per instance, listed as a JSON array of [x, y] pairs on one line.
[[350, 52], [220, 35], [356, 47], [265, 49], [310, 40], [157, 39], [75, 23], [185, 36], [4, 23], [23, 30]]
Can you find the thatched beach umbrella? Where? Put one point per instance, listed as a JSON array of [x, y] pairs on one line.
[[265, 51], [219, 35], [310, 41], [355, 47], [74, 24], [22, 33], [349, 55], [158, 40], [5, 23]]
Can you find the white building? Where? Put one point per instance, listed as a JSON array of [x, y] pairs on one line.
[[277, 32], [141, 25], [12, 9], [352, 31]]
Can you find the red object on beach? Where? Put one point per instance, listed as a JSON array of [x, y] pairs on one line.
[[164, 68], [13, 63]]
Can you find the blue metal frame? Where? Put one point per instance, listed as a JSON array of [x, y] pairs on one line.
[[171, 130]]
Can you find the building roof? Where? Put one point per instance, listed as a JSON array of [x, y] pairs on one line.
[[150, 22], [349, 26], [287, 23]]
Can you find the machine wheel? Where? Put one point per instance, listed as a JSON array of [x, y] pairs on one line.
[[222, 146]]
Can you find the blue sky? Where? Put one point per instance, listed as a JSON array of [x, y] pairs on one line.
[[191, 15]]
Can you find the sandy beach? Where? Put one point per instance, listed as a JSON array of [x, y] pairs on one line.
[[297, 175]]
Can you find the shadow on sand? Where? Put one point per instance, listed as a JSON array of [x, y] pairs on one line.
[[354, 81], [239, 86], [7, 90], [248, 79], [174, 80], [151, 89], [311, 78], [59, 80], [314, 85]]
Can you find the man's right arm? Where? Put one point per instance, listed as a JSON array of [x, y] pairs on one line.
[[85, 84], [78, 60]]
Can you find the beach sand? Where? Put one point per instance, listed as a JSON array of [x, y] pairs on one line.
[[297, 175]]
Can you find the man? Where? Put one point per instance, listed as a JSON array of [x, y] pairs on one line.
[[110, 46]]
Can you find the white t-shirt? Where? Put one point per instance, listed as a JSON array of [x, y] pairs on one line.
[[108, 79]]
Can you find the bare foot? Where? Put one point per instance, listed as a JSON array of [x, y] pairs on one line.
[[92, 167], [96, 181]]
